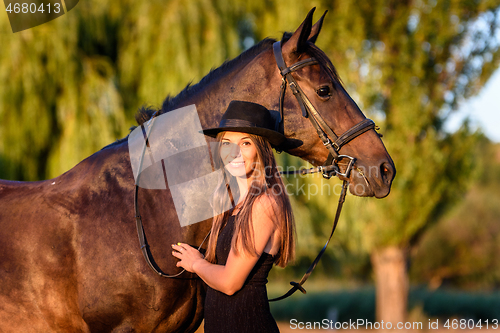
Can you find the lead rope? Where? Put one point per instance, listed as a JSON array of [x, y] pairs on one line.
[[144, 242], [298, 285]]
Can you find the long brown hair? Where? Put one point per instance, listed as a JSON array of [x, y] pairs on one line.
[[266, 180]]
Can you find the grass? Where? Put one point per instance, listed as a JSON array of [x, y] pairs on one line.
[[343, 305]]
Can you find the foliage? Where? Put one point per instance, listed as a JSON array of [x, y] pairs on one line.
[[344, 305], [461, 250], [447, 304], [71, 86]]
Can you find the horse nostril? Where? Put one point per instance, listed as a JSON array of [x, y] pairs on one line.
[[387, 172]]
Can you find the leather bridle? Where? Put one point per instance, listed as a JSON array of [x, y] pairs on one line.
[[329, 169], [325, 133]]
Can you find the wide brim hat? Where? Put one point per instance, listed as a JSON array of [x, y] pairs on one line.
[[248, 117]]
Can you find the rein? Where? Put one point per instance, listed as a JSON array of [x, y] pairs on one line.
[[148, 256], [298, 285], [329, 169]]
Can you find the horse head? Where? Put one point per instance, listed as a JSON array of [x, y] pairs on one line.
[[373, 169]]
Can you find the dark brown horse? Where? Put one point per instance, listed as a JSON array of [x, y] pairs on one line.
[[69, 256]]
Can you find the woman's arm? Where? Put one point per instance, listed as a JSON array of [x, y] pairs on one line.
[[229, 278]]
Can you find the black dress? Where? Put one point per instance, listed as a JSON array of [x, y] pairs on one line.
[[247, 310]]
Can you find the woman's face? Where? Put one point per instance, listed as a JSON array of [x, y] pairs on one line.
[[238, 153]]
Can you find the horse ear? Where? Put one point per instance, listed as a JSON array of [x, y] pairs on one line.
[[297, 43], [316, 28]]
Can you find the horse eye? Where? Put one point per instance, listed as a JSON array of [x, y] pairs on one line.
[[323, 91]]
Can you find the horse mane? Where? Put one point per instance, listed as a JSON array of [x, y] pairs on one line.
[[170, 103]]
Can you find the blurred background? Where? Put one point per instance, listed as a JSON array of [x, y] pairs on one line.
[[418, 68]]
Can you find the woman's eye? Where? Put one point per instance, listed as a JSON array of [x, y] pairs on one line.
[[246, 143], [225, 143], [323, 91]]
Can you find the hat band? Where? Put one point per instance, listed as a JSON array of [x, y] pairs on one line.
[[236, 123]]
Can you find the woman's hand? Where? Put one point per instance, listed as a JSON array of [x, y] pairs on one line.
[[188, 256]]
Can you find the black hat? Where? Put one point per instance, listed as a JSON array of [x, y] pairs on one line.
[[248, 117]]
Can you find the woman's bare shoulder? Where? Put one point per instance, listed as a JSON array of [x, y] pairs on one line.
[[267, 204], [266, 201]]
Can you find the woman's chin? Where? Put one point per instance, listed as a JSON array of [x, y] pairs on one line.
[[238, 171]]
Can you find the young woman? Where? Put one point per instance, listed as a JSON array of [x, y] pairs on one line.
[[257, 232]]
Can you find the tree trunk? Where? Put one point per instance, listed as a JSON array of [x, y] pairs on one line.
[[391, 281]]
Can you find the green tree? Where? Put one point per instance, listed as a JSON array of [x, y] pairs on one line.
[[58, 104], [421, 59], [461, 249]]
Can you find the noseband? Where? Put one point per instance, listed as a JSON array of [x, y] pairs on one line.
[[325, 133]]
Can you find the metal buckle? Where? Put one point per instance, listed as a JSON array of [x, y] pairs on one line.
[[325, 173], [328, 171], [283, 83], [293, 87]]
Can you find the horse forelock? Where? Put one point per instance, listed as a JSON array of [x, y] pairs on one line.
[[325, 63]]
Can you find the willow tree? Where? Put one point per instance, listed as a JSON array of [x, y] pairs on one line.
[[57, 104], [71, 86]]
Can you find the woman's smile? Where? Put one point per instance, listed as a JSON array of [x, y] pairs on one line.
[[237, 164], [238, 153]]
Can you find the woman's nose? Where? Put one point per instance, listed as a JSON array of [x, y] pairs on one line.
[[235, 151]]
